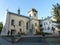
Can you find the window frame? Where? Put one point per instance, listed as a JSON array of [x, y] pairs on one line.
[[34, 14], [12, 22], [27, 25], [20, 30], [20, 23]]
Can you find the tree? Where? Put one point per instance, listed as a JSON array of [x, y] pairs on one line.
[[56, 12], [1, 26], [56, 16]]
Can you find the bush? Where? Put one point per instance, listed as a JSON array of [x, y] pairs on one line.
[[19, 34], [43, 34], [1, 26], [40, 33]]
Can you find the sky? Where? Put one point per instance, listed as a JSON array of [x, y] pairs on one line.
[[43, 7]]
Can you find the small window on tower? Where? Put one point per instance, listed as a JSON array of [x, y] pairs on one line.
[[34, 14]]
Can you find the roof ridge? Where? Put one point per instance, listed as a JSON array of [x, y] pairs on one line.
[[17, 14]]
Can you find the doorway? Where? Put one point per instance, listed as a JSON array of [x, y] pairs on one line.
[[13, 32]]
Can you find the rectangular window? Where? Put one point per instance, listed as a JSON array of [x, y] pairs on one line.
[[27, 25], [12, 22], [19, 23], [40, 25], [20, 30], [44, 23]]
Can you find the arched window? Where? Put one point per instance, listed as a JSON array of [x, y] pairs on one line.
[[27, 25], [19, 23], [12, 22]]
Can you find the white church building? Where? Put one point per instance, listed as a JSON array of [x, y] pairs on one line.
[[16, 23]]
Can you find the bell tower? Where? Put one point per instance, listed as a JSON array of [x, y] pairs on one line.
[[32, 13]]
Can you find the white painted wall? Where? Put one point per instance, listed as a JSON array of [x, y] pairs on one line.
[[45, 24]]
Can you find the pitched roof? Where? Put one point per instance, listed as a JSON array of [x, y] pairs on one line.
[[18, 15], [46, 18]]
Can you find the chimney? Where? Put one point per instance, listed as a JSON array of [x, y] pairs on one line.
[[18, 11]]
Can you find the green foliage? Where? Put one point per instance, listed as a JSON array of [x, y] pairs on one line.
[[56, 11], [59, 32], [40, 33], [1, 26], [56, 14]]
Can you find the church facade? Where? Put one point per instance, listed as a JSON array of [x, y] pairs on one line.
[[17, 23]]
